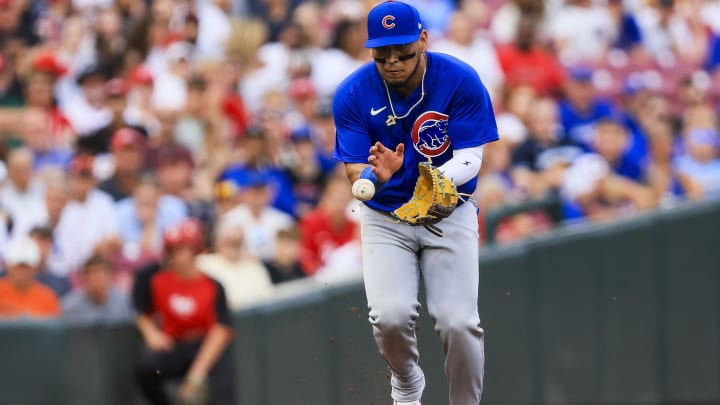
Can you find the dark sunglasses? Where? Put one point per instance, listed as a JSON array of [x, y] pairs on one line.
[[401, 58]]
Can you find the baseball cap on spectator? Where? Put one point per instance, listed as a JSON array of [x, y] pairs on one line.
[[115, 88], [580, 73], [186, 233], [82, 165], [92, 71], [141, 76], [301, 88], [301, 134], [257, 178], [49, 62], [172, 154], [22, 250], [125, 137], [393, 23]]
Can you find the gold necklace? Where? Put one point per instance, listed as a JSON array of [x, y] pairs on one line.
[[392, 118]]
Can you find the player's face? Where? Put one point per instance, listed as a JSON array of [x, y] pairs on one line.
[[397, 63]]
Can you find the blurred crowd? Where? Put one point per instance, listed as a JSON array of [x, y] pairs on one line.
[[119, 119]]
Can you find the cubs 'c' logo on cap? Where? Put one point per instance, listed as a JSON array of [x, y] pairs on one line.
[[430, 134], [388, 21]]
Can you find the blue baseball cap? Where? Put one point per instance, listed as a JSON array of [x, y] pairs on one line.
[[393, 23]]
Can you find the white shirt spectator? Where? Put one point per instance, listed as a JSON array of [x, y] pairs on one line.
[[169, 92], [84, 117], [245, 281], [329, 68], [81, 227], [272, 76], [480, 54], [663, 41], [214, 31], [581, 33], [259, 232], [26, 208]]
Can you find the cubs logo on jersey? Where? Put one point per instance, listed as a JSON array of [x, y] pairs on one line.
[[430, 134]]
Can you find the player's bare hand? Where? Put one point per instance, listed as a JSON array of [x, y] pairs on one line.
[[386, 162], [158, 341]]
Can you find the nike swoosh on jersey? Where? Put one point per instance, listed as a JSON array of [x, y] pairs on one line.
[[374, 112]]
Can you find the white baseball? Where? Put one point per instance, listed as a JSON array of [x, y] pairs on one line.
[[363, 189]]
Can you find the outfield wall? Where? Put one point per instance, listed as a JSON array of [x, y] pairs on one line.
[[623, 313]]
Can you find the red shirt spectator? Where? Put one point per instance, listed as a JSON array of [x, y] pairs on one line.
[[327, 227], [526, 63], [536, 68]]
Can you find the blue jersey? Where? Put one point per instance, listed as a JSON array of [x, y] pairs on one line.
[[456, 113]]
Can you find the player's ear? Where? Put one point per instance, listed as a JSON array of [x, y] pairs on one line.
[[423, 41]]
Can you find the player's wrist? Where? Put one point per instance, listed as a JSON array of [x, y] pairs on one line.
[[368, 174]]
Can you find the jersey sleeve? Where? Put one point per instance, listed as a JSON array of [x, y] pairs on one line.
[[352, 140], [222, 312], [472, 119], [141, 292]]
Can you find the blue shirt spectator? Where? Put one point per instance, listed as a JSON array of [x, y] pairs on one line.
[[135, 212]]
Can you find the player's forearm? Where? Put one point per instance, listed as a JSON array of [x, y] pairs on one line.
[[146, 325], [212, 347], [464, 165], [354, 170]]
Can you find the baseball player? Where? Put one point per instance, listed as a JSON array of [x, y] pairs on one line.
[[392, 115]]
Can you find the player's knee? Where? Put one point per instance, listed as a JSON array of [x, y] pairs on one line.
[[455, 325], [397, 318]]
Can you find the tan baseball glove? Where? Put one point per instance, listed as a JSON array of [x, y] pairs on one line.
[[434, 199]]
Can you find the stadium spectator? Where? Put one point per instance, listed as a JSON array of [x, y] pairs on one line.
[[141, 220], [259, 221], [22, 194], [36, 134], [285, 264], [539, 162], [581, 31], [611, 141], [462, 42], [128, 152], [244, 278], [701, 162], [663, 177], [524, 62], [97, 300], [305, 170], [626, 34], [88, 111], [326, 229], [582, 107], [505, 20], [191, 342], [345, 54], [76, 241], [21, 295], [100, 141], [43, 237], [591, 190]]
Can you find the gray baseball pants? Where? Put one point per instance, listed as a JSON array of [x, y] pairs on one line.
[[394, 257]]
